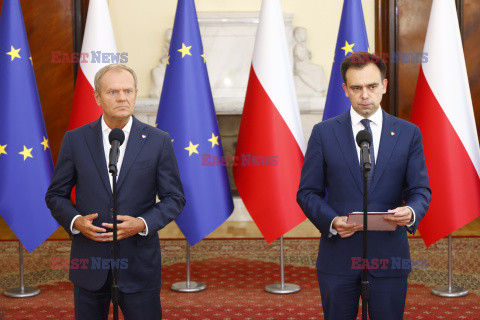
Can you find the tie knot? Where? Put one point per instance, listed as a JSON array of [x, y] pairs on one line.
[[366, 123]]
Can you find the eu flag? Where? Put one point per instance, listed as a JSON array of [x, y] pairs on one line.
[[25, 160], [187, 113], [352, 36]]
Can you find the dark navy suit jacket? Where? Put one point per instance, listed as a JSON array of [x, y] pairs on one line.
[[400, 178], [149, 168]]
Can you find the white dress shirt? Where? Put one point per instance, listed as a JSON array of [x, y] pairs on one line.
[[106, 148], [376, 121]]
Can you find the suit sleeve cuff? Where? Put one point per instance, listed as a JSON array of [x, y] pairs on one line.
[[145, 231], [72, 229], [333, 232], [412, 222]]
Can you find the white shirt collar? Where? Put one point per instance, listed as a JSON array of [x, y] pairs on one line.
[[376, 118], [126, 129]]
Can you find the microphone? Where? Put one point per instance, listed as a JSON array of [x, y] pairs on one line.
[[116, 138], [364, 140]]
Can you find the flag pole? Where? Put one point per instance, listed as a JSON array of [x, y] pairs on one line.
[[282, 287], [449, 291], [188, 286], [22, 291]]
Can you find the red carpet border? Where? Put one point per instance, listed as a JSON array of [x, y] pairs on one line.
[[236, 272]]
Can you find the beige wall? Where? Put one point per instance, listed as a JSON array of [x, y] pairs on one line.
[[140, 27]]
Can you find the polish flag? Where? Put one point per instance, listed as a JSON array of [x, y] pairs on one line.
[[443, 110], [270, 148], [98, 39]]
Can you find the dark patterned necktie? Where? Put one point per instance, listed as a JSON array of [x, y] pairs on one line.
[[366, 124]]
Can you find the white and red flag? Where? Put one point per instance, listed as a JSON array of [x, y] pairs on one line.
[[99, 44], [270, 148], [443, 110]]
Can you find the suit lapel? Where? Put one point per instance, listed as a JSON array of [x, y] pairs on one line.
[[388, 140], [94, 140], [344, 134], [135, 144]]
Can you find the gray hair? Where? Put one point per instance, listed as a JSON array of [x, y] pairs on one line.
[[113, 66]]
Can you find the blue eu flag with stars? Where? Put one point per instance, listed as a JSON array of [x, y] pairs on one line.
[[187, 113], [25, 160], [352, 36]]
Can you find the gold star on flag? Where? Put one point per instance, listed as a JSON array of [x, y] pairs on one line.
[[192, 148], [156, 124], [45, 144], [26, 153], [168, 60], [348, 47], [185, 50], [31, 61], [14, 53], [214, 140], [2, 149], [204, 58]]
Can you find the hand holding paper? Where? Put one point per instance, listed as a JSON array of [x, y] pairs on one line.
[[377, 221], [401, 216], [344, 228]]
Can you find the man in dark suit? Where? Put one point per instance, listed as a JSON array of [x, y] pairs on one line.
[[147, 168], [331, 187]]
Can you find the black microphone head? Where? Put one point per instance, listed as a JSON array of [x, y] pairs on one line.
[[116, 134], [364, 136]]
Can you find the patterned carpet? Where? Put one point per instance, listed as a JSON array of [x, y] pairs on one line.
[[236, 272]]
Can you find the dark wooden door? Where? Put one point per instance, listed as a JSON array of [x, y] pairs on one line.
[[401, 25]]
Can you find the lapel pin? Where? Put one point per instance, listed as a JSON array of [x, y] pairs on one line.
[[144, 136], [392, 133]]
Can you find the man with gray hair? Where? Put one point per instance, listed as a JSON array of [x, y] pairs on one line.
[[147, 167]]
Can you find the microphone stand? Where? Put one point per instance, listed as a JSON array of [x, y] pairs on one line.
[[366, 167], [115, 291]]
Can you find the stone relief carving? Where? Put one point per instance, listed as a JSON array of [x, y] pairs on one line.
[[309, 78], [158, 73]]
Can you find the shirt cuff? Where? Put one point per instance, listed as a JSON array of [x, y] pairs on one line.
[[145, 231], [413, 221], [72, 229], [333, 232]]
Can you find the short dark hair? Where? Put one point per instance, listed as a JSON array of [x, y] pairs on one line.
[[358, 60]]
